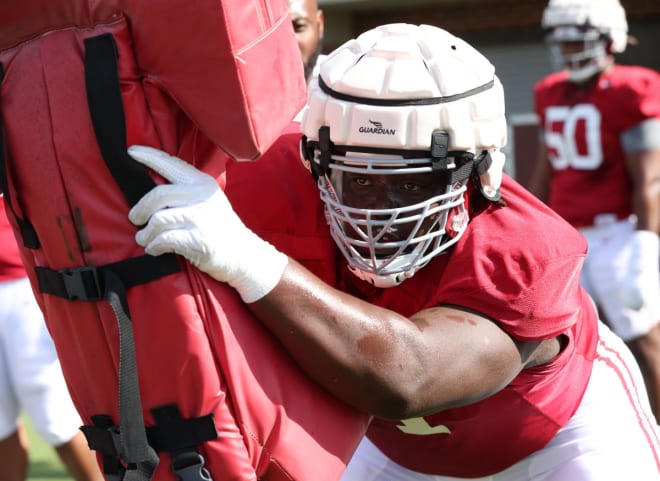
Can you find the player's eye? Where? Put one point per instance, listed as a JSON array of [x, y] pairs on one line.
[[362, 181], [299, 26], [410, 186]]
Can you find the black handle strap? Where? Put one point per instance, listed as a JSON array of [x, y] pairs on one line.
[[107, 112]]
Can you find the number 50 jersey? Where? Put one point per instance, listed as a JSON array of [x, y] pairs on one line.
[[582, 127]]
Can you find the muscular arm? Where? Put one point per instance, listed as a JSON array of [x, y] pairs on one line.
[[388, 365], [644, 168], [539, 184], [642, 146]]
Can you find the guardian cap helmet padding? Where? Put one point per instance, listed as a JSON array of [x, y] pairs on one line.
[[600, 24], [403, 99]]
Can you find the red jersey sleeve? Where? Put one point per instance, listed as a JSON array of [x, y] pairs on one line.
[[640, 93], [11, 266]]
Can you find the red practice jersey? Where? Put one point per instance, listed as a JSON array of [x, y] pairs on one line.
[[11, 266], [583, 127], [518, 265]]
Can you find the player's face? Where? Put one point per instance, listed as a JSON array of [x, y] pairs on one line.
[[379, 192], [568, 49], [307, 22]]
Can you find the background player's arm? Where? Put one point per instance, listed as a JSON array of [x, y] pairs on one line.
[[645, 172], [539, 184], [642, 146]]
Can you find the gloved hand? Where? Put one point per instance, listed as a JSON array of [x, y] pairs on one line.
[[193, 218], [641, 279]]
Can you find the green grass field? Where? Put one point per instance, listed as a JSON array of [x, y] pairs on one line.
[[44, 463]]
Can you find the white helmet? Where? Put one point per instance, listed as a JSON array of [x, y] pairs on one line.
[[600, 24], [403, 99]]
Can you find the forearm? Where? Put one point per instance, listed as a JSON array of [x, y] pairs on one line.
[[646, 205], [539, 183], [643, 163], [640, 284]]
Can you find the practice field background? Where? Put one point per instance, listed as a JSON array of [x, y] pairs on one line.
[[45, 465]]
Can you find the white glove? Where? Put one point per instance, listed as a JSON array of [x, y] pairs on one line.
[[193, 218], [641, 279]]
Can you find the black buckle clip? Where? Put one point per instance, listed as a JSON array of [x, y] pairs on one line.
[[189, 466], [82, 283], [440, 159], [104, 437]]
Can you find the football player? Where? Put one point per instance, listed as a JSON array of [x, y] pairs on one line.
[[599, 167], [308, 24], [424, 286]]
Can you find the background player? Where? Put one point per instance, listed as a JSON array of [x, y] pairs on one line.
[[31, 378], [600, 167], [308, 23]]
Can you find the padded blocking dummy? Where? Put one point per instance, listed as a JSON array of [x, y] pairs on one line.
[[173, 377]]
